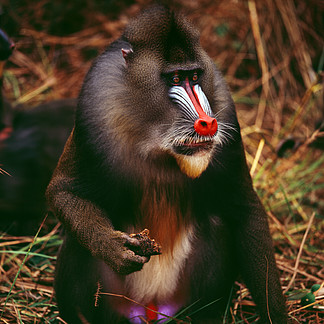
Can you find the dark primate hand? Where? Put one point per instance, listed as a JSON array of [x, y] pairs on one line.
[[121, 256]]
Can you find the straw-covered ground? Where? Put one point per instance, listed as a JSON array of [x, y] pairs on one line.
[[272, 55]]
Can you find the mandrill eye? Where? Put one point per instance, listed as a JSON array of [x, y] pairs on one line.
[[175, 80], [195, 77]]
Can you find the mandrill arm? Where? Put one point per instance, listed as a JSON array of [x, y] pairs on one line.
[[257, 264], [254, 251], [251, 239], [88, 223]]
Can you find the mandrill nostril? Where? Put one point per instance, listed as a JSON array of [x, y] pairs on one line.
[[206, 126]]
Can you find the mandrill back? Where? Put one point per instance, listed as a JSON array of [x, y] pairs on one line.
[[156, 145]]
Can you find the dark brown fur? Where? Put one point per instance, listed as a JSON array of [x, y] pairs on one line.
[[30, 154], [120, 173]]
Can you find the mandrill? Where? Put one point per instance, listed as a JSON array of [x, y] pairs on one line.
[[156, 145]]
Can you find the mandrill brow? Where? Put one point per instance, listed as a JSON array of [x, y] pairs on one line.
[[156, 148]]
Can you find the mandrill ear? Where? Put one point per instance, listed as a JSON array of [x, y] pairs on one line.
[[127, 53]]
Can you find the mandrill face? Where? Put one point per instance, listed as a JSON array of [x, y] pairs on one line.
[[161, 103], [194, 135], [180, 117]]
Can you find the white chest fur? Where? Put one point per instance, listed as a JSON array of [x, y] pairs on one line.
[[159, 278]]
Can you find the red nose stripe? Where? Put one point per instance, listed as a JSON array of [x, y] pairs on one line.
[[204, 125], [194, 100]]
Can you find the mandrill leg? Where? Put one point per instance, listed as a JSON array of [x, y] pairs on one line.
[[76, 283]]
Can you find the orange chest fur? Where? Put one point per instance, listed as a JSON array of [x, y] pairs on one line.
[[161, 213]]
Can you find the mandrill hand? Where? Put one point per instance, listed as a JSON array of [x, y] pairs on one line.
[[119, 253]]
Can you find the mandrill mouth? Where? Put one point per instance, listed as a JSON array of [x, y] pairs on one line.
[[191, 146]]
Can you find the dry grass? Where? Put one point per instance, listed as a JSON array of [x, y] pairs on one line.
[[271, 53]]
